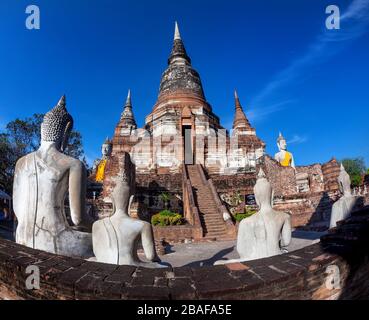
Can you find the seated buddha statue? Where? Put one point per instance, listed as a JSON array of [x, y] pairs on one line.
[[267, 232], [343, 207], [100, 165], [284, 157], [42, 181], [116, 238]]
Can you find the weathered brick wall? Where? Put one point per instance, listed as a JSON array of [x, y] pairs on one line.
[[160, 182], [282, 179], [304, 207], [331, 171], [150, 187], [301, 274], [316, 179], [175, 234], [307, 208], [243, 183]]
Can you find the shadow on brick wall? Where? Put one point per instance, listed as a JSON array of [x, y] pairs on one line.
[[350, 241], [323, 210]]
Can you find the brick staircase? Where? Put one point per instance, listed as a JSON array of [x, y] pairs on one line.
[[212, 222]]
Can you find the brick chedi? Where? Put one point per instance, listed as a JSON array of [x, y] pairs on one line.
[[183, 149], [247, 148], [182, 127], [125, 131]]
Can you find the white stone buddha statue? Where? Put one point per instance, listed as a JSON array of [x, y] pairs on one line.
[[343, 207], [41, 182], [115, 239], [284, 157], [267, 232]]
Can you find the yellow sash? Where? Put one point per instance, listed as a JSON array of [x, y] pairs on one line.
[[286, 162], [100, 173]]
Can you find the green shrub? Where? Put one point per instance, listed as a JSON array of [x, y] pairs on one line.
[[240, 216], [250, 212], [167, 213], [166, 218]]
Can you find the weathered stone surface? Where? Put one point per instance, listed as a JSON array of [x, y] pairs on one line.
[[41, 182]]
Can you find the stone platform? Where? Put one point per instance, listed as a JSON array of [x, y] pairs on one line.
[[301, 274], [199, 254]]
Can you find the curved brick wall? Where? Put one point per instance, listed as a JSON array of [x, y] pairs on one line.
[[298, 275]]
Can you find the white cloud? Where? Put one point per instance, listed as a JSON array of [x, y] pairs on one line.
[[354, 23], [297, 139], [259, 113]]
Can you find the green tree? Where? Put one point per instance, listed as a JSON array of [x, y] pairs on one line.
[[356, 168], [7, 161], [21, 137]]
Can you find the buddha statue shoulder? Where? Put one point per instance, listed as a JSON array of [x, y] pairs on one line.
[[42, 181]]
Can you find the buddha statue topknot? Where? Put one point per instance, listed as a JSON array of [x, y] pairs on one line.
[[42, 181]]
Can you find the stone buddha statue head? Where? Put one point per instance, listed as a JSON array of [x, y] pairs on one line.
[[281, 142], [263, 191], [106, 148], [57, 125], [344, 182]]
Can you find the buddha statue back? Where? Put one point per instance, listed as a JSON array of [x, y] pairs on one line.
[[116, 238], [267, 232], [41, 182]]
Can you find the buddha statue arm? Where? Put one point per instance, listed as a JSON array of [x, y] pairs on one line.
[[148, 243], [286, 233], [77, 193]]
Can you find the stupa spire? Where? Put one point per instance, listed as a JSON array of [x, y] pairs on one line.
[[127, 116], [180, 76], [62, 101], [128, 100], [177, 35], [240, 120], [178, 54]]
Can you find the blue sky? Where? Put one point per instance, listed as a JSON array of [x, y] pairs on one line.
[[292, 74]]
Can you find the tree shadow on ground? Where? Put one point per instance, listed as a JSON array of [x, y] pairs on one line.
[[210, 261]]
